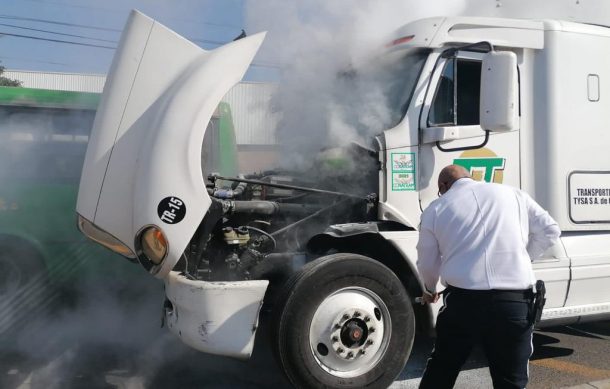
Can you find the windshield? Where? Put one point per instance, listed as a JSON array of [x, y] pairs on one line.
[[377, 95]]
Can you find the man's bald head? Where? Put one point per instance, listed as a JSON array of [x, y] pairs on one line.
[[449, 175]]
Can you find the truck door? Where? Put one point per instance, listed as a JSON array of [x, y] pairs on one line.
[[450, 132]]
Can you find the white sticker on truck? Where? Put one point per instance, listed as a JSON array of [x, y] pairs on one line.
[[403, 171], [589, 196]]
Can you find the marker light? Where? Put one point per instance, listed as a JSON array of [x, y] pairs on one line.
[[399, 41], [154, 244], [100, 236]]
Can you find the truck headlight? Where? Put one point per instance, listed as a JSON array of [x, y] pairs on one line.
[[100, 236], [153, 244]]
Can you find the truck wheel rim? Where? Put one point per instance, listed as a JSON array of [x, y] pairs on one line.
[[350, 332]]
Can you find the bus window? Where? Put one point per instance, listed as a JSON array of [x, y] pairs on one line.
[[42, 144]]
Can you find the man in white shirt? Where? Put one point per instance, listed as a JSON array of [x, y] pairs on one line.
[[480, 238]]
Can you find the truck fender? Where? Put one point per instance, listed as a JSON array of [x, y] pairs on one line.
[[366, 239]]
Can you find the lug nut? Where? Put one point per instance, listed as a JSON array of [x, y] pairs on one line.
[[372, 329], [362, 352], [369, 342], [335, 339], [357, 314], [337, 326], [367, 319], [340, 350], [350, 354], [345, 317]]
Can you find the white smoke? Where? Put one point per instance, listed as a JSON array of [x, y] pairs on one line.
[[315, 40]]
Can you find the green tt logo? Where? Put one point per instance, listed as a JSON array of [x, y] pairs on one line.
[[485, 168]]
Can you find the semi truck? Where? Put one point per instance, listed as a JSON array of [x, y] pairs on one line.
[[329, 253]]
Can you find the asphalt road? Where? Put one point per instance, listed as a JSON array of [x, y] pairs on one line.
[[152, 358], [563, 356]]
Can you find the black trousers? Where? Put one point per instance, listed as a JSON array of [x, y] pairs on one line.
[[498, 321]]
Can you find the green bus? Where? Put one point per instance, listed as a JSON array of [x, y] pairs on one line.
[[43, 140]]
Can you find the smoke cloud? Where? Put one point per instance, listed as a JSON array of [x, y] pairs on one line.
[[318, 44], [317, 41], [71, 312]]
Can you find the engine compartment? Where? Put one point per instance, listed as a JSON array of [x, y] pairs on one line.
[[258, 225]]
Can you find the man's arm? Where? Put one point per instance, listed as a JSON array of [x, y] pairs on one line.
[[428, 254], [543, 229]]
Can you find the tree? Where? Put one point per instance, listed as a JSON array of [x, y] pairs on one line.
[[5, 81]]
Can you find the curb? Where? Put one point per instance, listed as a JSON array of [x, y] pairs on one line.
[[603, 384]]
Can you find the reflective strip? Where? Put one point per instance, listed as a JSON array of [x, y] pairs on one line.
[[445, 300], [531, 353]]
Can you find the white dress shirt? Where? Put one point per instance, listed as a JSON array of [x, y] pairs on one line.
[[483, 236]]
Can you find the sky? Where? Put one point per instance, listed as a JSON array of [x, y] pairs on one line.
[[207, 22], [210, 23]]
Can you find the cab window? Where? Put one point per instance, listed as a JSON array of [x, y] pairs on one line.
[[456, 101]]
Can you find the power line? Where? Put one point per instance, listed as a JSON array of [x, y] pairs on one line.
[[56, 40], [82, 26], [11, 17], [63, 4], [88, 44], [57, 33], [98, 39], [266, 65], [49, 21], [34, 60], [256, 64], [207, 41]]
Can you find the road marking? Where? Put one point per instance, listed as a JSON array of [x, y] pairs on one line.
[[585, 371]]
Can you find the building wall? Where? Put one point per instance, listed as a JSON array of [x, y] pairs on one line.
[[253, 115], [59, 81], [257, 158]]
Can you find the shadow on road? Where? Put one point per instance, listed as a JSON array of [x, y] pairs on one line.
[[594, 330], [543, 347], [422, 348]]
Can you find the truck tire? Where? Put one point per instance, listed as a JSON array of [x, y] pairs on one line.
[[343, 321]]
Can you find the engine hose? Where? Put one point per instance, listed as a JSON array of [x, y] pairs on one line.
[[261, 207], [268, 235], [257, 207], [213, 177]]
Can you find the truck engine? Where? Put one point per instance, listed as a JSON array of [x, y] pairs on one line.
[[258, 224]]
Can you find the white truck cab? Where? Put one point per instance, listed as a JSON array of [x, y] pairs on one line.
[[517, 102]]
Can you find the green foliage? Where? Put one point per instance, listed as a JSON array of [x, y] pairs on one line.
[[4, 81]]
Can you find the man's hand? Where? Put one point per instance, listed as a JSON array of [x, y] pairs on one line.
[[429, 298]]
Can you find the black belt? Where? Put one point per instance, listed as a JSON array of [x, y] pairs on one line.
[[525, 295]]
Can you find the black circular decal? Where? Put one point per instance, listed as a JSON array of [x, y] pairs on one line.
[[171, 210]]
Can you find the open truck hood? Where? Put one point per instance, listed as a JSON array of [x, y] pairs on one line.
[[143, 162]]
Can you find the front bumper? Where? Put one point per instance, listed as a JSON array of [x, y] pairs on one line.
[[215, 317]]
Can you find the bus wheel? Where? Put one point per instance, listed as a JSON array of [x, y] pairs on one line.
[[345, 321], [23, 284]]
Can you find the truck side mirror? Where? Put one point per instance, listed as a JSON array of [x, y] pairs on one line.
[[499, 92]]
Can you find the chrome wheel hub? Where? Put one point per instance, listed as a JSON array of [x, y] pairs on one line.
[[350, 332]]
